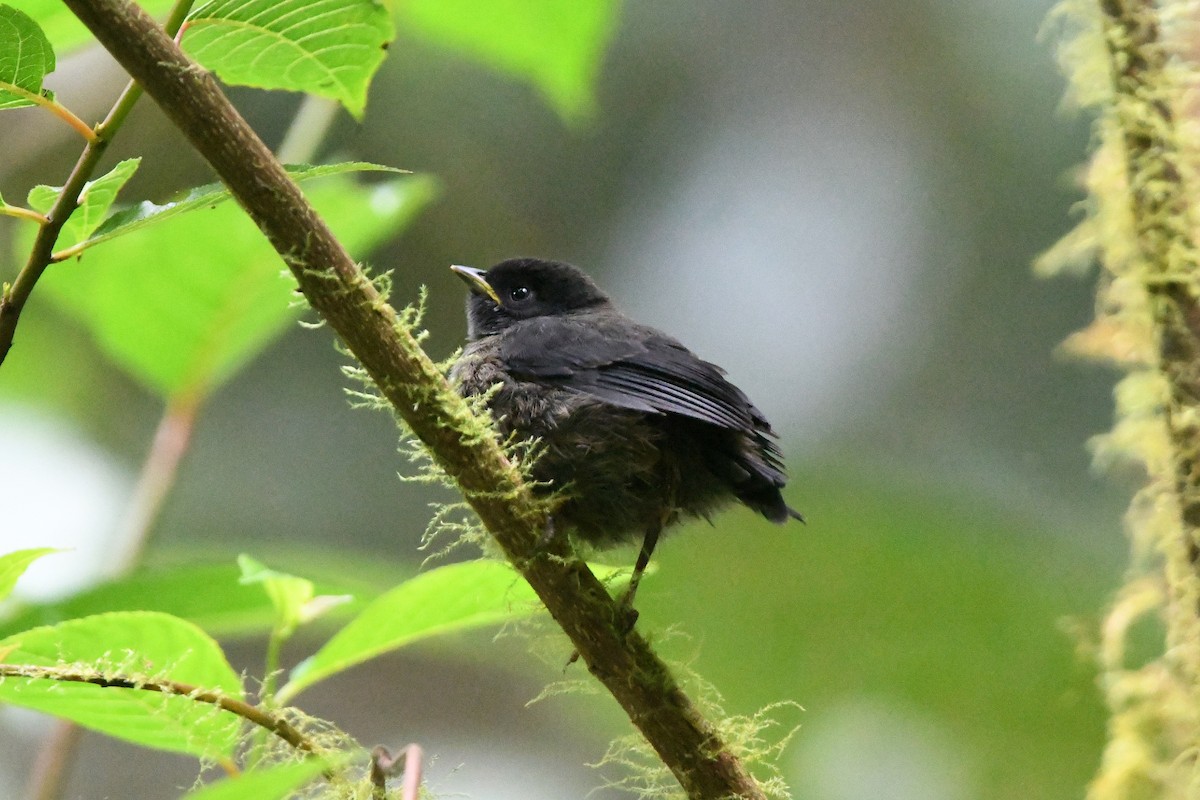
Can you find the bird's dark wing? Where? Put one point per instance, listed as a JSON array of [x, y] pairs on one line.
[[628, 365], [632, 366]]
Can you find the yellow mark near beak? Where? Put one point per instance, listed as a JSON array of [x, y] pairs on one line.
[[474, 278]]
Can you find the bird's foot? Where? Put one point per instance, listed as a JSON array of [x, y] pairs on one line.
[[626, 618]]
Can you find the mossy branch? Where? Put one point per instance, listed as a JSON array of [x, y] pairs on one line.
[[1158, 174], [335, 286], [1132, 61]]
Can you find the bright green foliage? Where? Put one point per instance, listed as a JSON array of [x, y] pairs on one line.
[[143, 646], [271, 783], [146, 213], [209, 595], [13, 566], [25, 58], [445, 600], [329, 48], [62, 28], [557, 45], [182, 306], [94, 201]]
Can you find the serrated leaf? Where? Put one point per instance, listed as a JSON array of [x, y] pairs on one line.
[[94, 201], [13, 566], [275, 782], [183, 305], [25, 58], [445, 600], [146, 213], [330, 48], [557, 45], [144, 646]]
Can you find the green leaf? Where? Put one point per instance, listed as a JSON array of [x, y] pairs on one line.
[[13, 566], [557, 45], [208, 595], [183, 305], [445, 600], [94, 201], [25, 58], [287, 593], [329, 48], [64, 30], [276, 782], [146, 213], [144, 646]]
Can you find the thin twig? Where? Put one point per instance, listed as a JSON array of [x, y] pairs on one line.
[[155, 481], [50, 766], [346, 298], [14, 297], [384, 765]]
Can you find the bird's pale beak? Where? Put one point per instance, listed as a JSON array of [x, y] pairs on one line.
[[475, 280]]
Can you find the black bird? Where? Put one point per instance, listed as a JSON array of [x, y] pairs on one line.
[[635, 431]]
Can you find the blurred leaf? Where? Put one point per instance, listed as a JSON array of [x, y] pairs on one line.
[[13, 566], [208, 595], [62, 27], [146, 213], [184, 304], [445, 600], [330, 48], [287, 593], [25, 57], [275, 782], [142, 646], [557, 45], [94, 201]]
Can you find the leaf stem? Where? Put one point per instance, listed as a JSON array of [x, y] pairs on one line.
[[54, 107], [41, 255], [23, 213], [155, 481]]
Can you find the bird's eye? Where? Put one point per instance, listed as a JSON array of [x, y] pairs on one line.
[[519, 293]]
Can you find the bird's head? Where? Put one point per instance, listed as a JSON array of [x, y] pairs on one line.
[[523, 288]]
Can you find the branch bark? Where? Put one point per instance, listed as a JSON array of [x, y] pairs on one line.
[[345, 297]]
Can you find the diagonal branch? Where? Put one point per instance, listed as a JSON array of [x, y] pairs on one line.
[[334, 285]]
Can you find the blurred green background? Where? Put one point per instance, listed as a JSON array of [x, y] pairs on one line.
[[837, 202]]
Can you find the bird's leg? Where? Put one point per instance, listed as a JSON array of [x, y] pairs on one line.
[[639, 568]]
